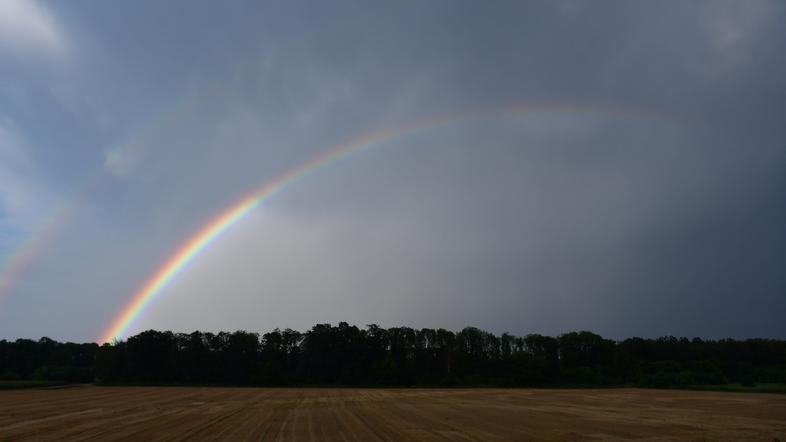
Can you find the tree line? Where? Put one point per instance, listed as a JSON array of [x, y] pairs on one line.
[[347, 355]]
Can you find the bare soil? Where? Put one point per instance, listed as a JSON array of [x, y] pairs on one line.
[[237, 414]]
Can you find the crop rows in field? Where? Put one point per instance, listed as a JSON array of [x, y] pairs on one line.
[[179, 413]]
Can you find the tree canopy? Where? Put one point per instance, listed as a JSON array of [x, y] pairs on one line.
[[400, 356]]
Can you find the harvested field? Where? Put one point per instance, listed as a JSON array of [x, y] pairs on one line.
[[145, 413]]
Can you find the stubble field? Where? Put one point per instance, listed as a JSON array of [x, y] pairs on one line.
[[158, 413]]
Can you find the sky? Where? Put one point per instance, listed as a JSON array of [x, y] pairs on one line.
[[643, 193]]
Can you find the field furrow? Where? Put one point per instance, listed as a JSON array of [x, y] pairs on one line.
[[250, 414]]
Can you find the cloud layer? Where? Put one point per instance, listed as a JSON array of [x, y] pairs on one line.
[[650, 204], [27, 27]]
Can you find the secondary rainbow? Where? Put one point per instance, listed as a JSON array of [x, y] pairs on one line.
[[213, 230], [20, 258]]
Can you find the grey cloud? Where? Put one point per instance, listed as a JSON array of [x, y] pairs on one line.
[[661, 216]]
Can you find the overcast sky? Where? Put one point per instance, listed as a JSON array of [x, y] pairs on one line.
[[649, 200]]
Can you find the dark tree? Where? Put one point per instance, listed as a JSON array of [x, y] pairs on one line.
[[401, 356]]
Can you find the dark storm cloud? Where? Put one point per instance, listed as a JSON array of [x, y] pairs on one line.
[[661, 214]]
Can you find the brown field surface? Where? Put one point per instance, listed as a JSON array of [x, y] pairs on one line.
[[164, 413]]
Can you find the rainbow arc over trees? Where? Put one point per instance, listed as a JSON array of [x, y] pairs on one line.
[[213, 230]]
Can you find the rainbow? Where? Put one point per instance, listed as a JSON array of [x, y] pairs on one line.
[[22, 256], [229, 217], [19, 259]]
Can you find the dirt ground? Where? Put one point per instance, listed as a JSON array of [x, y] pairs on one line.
[[155, 413]]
